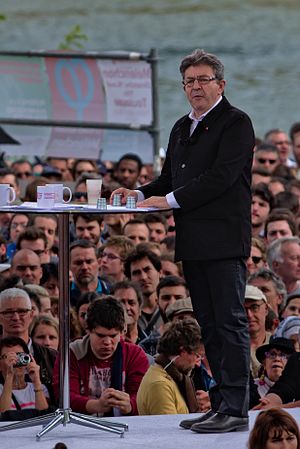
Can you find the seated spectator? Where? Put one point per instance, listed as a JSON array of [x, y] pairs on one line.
[[112, 257], [280, 223], [47, 223], [105, 371], [260, 176], [131, 297], [44, 298], [274, 428], [45, 332], [31, 188], [277, 185], [27, 265], [262, 203], [286, 391], [256, 309], [266, 156], [16, 393], [157, 224], [85, 270], [81, 309], [22, 168], [287, 200], [127, 170], [137, 231], [34, 239], [17, 224], [167, 387], [7, 176], [292, 306], [49, 279], [169, 267], [114, 224], [272, 287], [89, 227], [83, 166], [290, 328], [60, 164], [273, 358], [15, 318], [257, 257]]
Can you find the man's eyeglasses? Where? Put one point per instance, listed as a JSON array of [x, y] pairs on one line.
[[110, 256], [263, 160], [202, 81], [78, 195], [23, 268], [18, 225], [254, 308], [274, 355], [24, 174], [8, 314]]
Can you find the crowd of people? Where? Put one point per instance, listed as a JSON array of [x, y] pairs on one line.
[[135, 341], [129, 258]]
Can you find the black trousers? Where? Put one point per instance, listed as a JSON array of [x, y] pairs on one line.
[[217, 289]]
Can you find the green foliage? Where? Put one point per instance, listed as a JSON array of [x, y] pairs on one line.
[[2, 16], [73, 39]]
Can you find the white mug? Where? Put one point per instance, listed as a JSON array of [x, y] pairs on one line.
[[59, 190], [93, 187], [7, 194], [45, 197]]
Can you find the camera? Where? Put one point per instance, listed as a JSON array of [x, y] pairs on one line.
[[22, 359]]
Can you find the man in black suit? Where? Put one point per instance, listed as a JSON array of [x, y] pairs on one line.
[[206, 179]]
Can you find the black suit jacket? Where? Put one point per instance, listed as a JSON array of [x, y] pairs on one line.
[[210, 174]]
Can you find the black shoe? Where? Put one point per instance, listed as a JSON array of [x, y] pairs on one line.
[[219, 423], [188, 423]]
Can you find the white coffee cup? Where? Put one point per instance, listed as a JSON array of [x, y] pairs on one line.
[[7, 194], [45, 197], [93, 187], [59, 190]]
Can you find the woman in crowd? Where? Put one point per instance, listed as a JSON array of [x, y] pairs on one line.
[[45, 332], [274, 429], [16, 393], [273, 358]]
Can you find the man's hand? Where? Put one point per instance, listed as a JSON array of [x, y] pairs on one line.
[[203, 401], [155, 201], [125, 193], [115, 398]]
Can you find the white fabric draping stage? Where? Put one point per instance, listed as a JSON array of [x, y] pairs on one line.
[[146, 432]]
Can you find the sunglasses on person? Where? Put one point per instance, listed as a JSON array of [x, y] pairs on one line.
[[78, 195], [263, 160], [256, 259]]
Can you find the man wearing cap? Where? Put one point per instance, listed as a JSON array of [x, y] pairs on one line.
[[257, 310], [180, 309]]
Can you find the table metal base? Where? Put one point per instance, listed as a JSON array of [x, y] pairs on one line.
[[64, 417]]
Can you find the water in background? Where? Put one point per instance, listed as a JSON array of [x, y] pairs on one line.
[[257, 40]]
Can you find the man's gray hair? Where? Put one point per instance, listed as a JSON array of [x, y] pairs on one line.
[[274, 251], [200, 56], [13, 293], [269, 275]]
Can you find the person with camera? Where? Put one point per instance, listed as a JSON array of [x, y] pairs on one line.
[[20, 385]]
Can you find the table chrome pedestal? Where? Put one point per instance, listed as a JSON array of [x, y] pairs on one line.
[[63, 415]]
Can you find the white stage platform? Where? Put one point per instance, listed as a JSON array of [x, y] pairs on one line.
[[145, 432]]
